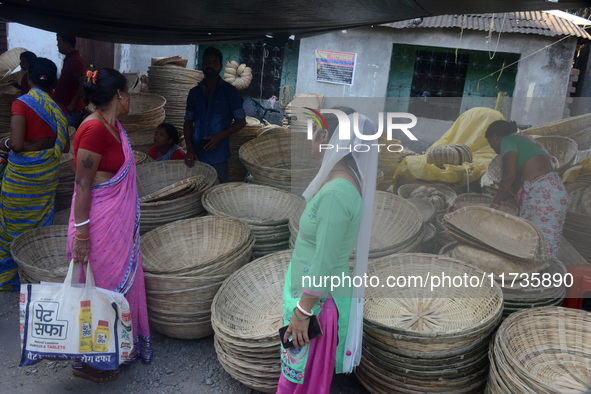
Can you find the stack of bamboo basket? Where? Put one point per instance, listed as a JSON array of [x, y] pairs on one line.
[[397, 226], [67, 178], [236, 170], [169, 191], [40, 254], [542, 350], [518, 294], [173, 82], [296, 109], [281, 160], [246, 315], [577, 128], [421, 340], [265, 209], [577, 228], [146, 112], [182, 275]]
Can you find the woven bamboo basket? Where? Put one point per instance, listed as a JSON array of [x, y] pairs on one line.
[[272, 129], [427, 341], [281, 160], [236, 170], [7, 95], [65, 187], [454, 154], [182, 276], [153, 177], [173, 83], [141, 158], [141, 138], [265, 209], [447, 194], [146, 112], [562, 148], [488, 228], [562, 127], [41, 254], [9, 61], [397, 225], [61, 217], [475, 199], [576, 227], [246, 314], [542, 350]]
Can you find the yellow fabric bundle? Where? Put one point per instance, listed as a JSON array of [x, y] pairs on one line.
[[468, 129]]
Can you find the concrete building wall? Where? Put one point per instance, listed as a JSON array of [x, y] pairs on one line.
[[137, 58], [128, 57], [43, 43], [540, 86]]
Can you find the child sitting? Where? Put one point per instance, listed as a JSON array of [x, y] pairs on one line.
[[165, 146]]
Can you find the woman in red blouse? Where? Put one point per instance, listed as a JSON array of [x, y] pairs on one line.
[[104, 220]]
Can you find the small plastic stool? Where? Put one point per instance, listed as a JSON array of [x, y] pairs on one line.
[[581, 284]]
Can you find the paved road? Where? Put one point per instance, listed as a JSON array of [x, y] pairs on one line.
[[178, 366]]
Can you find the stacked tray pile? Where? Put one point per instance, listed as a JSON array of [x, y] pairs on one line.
[[65, 187], [499, 233], [298, 112], [418, 340], [577, 228], [397, 226], [272, 129], [40, 254], [141, 157], [576, 128], [8, 94], [542, 350], [146, 112], [185, 263], [441, 196], [173, 82], [236, 170], [281, 160], [492, 177], [169, 191], [521, 289], [454, 154], [62, 217], [441, 238], [562, 148], [265, 209], [246, 315], [475, 199]]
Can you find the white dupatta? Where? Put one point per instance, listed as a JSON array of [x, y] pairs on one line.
[[366, 158]]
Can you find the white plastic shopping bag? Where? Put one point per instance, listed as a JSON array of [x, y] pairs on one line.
[[71, 321]]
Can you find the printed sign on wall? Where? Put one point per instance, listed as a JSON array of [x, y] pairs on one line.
[[335, 67]]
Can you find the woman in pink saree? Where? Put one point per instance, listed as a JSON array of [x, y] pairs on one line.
[[104, 223]]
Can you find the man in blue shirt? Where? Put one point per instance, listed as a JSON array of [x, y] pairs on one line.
[[212, 106]]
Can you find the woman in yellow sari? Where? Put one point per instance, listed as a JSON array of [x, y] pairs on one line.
[[38, 136]]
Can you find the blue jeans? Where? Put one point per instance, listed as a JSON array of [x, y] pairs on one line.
[[222, 170], [75, 118]]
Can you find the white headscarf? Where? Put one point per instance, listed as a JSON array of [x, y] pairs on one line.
[[367, 164]]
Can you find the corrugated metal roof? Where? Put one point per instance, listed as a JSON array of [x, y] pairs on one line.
[[529, 22]]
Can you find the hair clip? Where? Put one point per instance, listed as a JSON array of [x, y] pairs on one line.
[[91, 75], [43, 77]]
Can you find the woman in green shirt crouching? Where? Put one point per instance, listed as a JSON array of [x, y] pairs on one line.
[[527, 173]]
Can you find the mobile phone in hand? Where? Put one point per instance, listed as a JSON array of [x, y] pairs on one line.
[[314, 331]]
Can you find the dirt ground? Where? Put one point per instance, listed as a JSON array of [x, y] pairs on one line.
[[178, 366]]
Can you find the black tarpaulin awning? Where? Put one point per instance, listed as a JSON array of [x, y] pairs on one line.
[[195, 21]]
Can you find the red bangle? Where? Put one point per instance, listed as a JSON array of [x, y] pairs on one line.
[[81, 239]]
